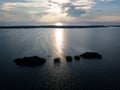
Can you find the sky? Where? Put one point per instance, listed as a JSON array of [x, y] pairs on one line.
[[59, 10]]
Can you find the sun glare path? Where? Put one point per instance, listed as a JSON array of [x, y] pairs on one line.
[[59, 38]]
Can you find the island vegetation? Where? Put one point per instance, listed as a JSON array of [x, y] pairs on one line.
[[77, 57], [91, 55], [57, 60], [35, 60], [55, 26], [69, 58], [30, 61]]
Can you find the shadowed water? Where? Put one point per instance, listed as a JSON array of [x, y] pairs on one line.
[[59, 42]]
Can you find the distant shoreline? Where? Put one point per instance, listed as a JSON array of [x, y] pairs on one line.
[[54, 26]]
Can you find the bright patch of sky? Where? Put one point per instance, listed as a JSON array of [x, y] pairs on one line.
[[59, 10]]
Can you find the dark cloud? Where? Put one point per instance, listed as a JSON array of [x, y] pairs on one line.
[[73, 12]]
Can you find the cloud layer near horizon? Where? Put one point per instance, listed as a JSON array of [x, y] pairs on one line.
[[46, 10]]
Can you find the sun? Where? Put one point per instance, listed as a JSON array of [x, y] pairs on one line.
[[59, 24]]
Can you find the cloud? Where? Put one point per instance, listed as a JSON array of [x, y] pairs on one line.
[[106, 0], [70, 7], [72, 10], [13, 6], [46, 9], [77, 7]]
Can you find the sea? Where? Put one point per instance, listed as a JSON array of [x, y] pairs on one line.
[[50, 43]]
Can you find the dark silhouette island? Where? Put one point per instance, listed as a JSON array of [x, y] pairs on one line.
[[91, 55], [30, 61], [69, 58], [77, 57], [35, 60], [57, 60]]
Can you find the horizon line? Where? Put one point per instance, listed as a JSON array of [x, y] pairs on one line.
[[55, 26]]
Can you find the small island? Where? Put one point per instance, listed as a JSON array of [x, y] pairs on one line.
[[30, 61], [77, 57], [68, 58], [57, 60], [91, 55]]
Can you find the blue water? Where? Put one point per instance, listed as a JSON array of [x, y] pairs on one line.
[[52, 43]]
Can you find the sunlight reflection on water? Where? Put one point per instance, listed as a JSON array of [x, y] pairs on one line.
[[59, 37]]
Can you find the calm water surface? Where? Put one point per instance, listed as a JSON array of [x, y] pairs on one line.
[[52, 43]]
